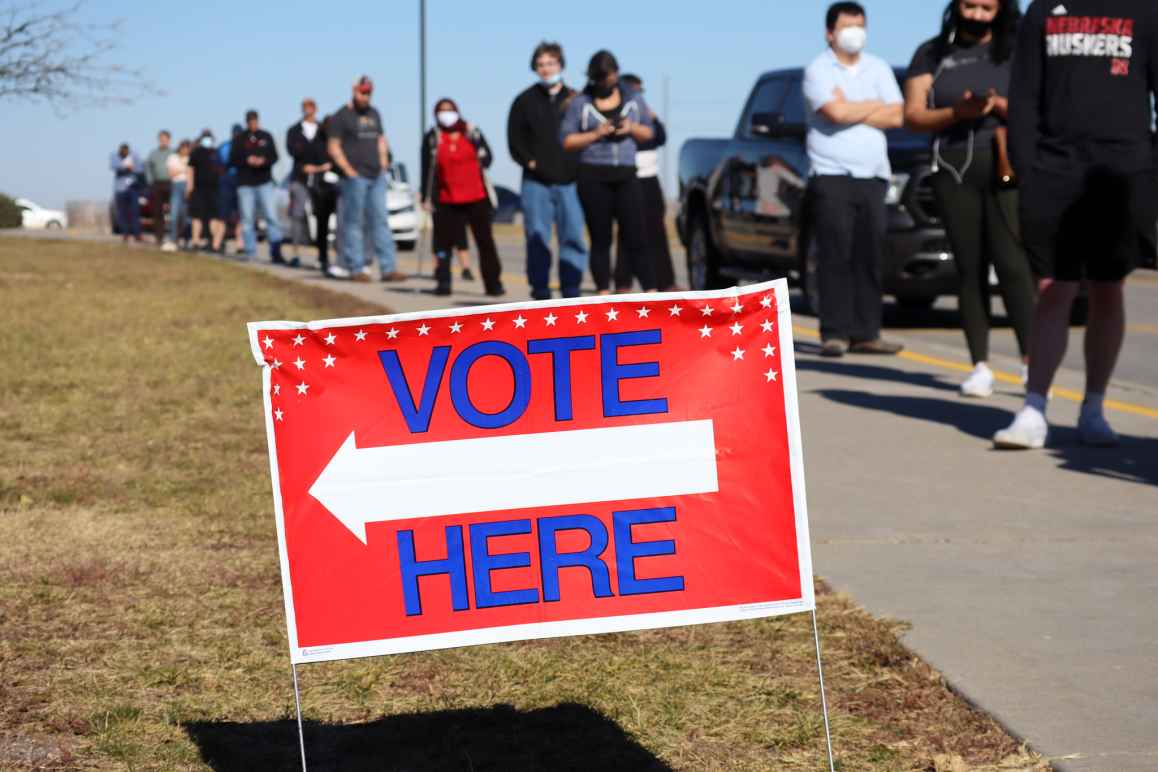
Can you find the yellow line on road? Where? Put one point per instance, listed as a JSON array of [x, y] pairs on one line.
[[961, 367]]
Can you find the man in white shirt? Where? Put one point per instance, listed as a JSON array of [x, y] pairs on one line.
[[852, 97]]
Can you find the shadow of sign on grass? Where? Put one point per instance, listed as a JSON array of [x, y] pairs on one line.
[[563, 737]]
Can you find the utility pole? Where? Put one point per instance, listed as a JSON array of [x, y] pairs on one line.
[[421, 70]]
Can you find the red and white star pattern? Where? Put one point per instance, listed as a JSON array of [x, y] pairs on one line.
[[743, 330]]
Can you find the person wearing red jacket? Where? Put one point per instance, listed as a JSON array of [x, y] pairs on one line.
[[455, 156]]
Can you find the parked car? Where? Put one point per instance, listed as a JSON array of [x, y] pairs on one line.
[[400, 204], [37, 217], [510, 205], [743, 208]]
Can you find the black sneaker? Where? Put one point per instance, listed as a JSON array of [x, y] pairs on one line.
[[442, 290], [467, 275]]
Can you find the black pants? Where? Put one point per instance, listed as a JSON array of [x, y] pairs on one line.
[[982, 224], [608, 202], [324, 201], [848, 223], [450, 220], [656, 248], [159, 193]]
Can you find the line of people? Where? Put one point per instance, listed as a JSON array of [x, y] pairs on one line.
[[339, 166], [1044, 168]]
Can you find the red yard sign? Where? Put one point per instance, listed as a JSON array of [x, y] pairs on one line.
[[535, 469]]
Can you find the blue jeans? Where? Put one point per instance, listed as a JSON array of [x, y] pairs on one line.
[[544, 206], [252, 198], [361, 213], [176, 211], [129, 212]]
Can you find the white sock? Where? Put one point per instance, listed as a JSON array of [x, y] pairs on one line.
[[1037, 402], [1093, 404]]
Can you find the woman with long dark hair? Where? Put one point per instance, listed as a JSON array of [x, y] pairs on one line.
[[957, 90], [455, 188], [605, 125]]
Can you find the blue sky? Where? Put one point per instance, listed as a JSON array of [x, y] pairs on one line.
[[215, 59]]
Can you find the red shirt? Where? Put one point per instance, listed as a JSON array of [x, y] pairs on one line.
[[459, 175]]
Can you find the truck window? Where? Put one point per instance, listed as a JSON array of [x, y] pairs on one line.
[[793, 109], [767, 98]]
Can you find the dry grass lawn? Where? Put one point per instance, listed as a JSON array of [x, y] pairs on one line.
[[141, 624]]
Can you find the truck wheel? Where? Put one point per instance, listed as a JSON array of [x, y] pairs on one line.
[[703, 261], [809, 279]]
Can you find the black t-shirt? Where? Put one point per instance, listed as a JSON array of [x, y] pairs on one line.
[[358, 132], [1080, 94], [964, 67], [206, 167]]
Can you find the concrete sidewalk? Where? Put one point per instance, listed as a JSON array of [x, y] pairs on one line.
[[1030, 579]]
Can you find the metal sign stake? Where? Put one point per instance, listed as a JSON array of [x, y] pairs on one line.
[[823, 698], [298, 703]]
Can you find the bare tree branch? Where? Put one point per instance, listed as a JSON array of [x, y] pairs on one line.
[[55, 56]]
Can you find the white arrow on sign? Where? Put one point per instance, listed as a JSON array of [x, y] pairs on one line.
[[489, 474]]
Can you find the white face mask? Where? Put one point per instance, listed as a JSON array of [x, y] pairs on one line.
[[447, 118], [851, 40]]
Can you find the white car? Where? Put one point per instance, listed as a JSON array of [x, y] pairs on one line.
[[34, 216], [401, 204]]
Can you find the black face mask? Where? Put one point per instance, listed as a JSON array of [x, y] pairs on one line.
[[974, 28], [601, 91]]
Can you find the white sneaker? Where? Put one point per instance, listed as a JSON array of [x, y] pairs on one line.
[[979, 384], [1095, 431], [337, 272], [168, 246], [1028, 431]]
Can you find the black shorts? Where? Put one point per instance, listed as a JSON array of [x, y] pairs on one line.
[[203, 203], [1095, 225]]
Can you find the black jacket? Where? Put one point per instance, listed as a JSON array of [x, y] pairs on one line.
[[533, 135], [306, 151], [259, 143], [430, 168]]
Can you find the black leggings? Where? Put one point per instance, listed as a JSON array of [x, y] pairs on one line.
[[615, 201], [982, 225], [325, 203], [450, 222], [655, 233]]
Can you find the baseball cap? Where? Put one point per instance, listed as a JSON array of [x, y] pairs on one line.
[[364, 85]]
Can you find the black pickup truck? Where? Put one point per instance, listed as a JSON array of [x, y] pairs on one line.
[[742, 210]]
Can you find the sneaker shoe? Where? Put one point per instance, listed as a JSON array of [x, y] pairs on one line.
[[336, 272], [1095, 431], [877, 346], [834, 348], [1028, 431], [496, 292], [168, 246], [442, 290], [394, 276], [467, 275], [979, 384], [362, 278]]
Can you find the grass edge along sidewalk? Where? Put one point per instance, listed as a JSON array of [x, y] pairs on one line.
[[140, 612]]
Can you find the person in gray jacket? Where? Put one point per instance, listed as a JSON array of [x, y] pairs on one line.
[[605, 125]]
